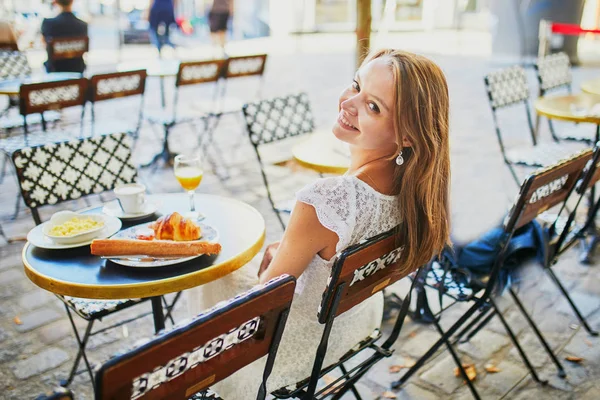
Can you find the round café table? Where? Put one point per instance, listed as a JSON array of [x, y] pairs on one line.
[[592, 86], [11, 87], [323, 152], [77, 273], [159, 68]]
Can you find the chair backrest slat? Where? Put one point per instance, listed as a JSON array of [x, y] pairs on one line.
[[553, 72], [62, 48], [190, 358], [13, 64], [363, 270], [117, 84], [253, 65], [195, 72], [546, 188], [506, 87], [39, 97], [56, 172], [279, 118]]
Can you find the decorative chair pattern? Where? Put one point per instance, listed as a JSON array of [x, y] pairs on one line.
[[14, 64], [358, 272], [276, 119], [544, 189], [508, 87], [182, 363], [68, 47]]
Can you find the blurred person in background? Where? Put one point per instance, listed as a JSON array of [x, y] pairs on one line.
[[65, 24], [8, 37], [161, 16], [218, 16]]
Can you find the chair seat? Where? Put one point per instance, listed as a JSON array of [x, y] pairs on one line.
[[165, 117], [577, 135], [93, 309], [542, 155], [207, 394], [16, 121], [455, 284]]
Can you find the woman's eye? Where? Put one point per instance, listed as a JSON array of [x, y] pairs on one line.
[[355, 86], [374, 107]]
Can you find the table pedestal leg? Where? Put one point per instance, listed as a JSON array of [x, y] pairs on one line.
[[157, 311]]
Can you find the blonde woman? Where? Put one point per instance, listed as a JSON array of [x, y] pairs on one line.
[[394, 116]]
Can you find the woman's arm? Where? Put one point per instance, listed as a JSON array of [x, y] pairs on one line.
[[302, 240]]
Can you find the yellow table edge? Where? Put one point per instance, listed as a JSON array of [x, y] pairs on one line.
[[562, 117], [143, 290], [324, 169]]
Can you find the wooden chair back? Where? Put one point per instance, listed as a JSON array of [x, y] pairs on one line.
[[39, 97], [188, 359], [195, 72], [9, 46], [117, 84], [67, 47], [252, 65]]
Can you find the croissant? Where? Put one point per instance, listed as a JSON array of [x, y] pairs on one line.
[[175, 227]]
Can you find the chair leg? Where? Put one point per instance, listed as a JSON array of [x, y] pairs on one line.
[[457, 361], [81, 352], [352, 388], [3, 171], [469, 328], [422, 312], [514, 174], [581, 318], [516, 343], [17, 208], [169, 307], [538, 333]]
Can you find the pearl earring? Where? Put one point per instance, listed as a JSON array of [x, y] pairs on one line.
[[400, 159]]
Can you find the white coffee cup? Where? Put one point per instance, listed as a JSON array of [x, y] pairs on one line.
[[131, 197]]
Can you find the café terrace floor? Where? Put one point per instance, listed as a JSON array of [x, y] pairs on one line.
[[35, 354]]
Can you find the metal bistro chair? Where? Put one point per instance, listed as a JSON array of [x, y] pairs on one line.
[[67, 48], [184, 362], [508, 87], [540, 191], [49, 174], [273, 120], [189, 73], [554, 73], [358, 272], [117, 85]]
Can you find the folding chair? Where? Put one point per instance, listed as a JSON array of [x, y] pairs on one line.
[[540, 191], [273, 120], [189, 73], [117, 85], [67, 48], [554, 73], [184, 362], [49, 174], [508, 87], [358, 272]]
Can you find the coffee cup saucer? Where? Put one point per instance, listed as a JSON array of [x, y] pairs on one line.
[[114, 209]]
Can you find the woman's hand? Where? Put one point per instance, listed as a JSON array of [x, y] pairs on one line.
[[268, 257]]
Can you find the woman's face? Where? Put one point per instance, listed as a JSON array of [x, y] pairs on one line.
[[367, 107]]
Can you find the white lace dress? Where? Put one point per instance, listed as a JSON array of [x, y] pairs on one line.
[[354, 211]]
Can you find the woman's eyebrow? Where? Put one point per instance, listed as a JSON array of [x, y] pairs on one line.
[[357, 79]]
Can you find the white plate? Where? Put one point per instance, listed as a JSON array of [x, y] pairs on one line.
[[37, 238], [64, 216], [114, 210], [209, 234]]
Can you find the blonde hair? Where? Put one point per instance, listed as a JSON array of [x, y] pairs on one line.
[[423, 180]]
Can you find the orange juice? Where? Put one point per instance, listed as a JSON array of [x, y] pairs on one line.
[[189, 177]]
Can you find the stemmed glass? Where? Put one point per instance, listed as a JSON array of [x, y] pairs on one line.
[[189, 171]]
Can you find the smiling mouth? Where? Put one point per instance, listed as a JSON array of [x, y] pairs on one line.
[[345, 123]]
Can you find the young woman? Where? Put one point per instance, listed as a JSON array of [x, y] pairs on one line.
[[394, 116]]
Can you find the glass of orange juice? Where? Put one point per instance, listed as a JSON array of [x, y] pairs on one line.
[[189, 172]]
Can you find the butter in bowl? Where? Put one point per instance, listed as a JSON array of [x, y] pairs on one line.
[[67, 227]]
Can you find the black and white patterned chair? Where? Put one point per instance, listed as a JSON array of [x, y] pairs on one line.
[[182, 363], [275, 120], [554, 73], [508, 87], [50, 174]]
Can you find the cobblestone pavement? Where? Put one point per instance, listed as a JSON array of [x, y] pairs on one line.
[[36, 353]]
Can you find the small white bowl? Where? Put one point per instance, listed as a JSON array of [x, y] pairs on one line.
[[63, 216]]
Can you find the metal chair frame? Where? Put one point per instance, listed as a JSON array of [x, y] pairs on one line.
[[358, 272], [570, 173], [188, 359], [261, 133]]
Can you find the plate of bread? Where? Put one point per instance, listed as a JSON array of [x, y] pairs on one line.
[[171, 239]]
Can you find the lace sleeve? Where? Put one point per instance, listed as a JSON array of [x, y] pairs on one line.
[[334, 200]]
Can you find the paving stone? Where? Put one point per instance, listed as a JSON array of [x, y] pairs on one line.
[[37, 318], [534, 349], [591, 394], [441, 375], [497, 384], [54, 332], [13, 260], [586, 303], [10, 275], [515, 320], [41, 362], [102, 339], [418, 345], [412, 391], [483, 345], [3, 335], [35, 299]]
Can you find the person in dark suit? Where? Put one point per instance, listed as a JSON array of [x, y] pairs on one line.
[[66, 24]]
